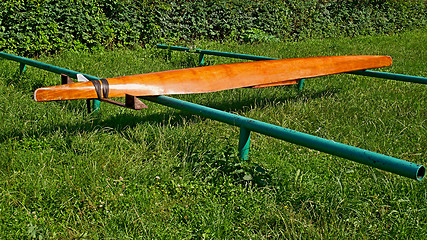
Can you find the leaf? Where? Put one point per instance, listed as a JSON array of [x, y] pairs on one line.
[[247, 177]]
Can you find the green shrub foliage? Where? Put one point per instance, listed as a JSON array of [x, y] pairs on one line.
[[32, 27]]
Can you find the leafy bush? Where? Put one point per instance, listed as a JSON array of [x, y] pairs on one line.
[[33, 27]]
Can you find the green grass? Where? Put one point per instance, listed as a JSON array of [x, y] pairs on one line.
[[162, 173]]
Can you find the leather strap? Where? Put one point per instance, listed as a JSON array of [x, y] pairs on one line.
[[102, 87], [105, 87]]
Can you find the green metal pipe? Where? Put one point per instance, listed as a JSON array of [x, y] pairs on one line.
[[216, 53], [234, 55], [390, 164], [393, 76], [51, 68], [44, 66], [176, 48]]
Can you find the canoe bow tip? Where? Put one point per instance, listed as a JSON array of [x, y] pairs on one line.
[[38, 95], [35, 95]]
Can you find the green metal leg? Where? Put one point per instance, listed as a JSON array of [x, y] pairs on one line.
[[169, 55], [300, 84], [22, 68], [92, 106], [244, 142], [95, 105], [201, 59]]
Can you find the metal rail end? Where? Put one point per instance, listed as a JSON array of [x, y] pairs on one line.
[[421, 173]]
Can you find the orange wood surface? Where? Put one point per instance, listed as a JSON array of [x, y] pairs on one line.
[[216, 78]]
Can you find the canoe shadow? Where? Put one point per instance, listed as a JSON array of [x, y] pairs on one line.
[[174, 117], [126, 120]]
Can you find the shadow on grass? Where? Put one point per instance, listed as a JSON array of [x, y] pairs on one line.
[[249, 102], [125, 121], [213, 163], [177, 118]]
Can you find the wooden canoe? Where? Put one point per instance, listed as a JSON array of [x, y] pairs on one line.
[[216, 78]]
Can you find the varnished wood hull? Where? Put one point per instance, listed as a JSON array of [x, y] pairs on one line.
[[216, 78]]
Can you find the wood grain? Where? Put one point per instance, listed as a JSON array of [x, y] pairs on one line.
[[216, 78]]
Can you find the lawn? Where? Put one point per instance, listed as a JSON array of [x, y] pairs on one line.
[[160, 173]]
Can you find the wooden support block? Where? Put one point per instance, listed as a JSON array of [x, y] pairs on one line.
[[66, 79], [134, 103]]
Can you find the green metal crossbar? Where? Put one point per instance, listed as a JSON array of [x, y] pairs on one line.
[[387, 163]]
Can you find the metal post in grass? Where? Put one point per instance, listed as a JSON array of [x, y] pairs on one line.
[[22, 68], [300, 84], [201, 59], [244, 143], [51, 68]]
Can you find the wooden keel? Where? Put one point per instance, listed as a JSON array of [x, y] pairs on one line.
[[216, 78], [284, 83]]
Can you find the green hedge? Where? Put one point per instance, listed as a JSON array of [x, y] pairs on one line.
[[32, 27]]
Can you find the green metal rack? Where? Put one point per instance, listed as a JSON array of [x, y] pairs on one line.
[[247, 125]]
